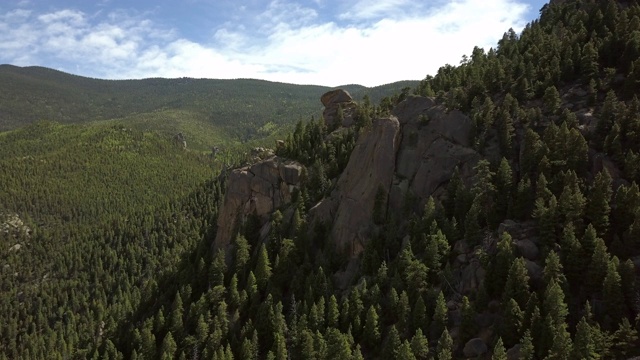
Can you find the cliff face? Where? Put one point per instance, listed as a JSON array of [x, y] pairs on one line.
[[411, 153], [257, 189], [370, 170]]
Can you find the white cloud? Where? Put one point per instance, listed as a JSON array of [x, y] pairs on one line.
[[396, 42], [366, 9]]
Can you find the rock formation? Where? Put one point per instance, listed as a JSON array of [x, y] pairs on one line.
[[410, 153], [258, 190], [180, 140], [335, 101], [370, 170], [414, 151]]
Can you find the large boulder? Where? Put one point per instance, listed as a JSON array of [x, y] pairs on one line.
[[474, 348], [334, 101], [528, 249], [258, 190]]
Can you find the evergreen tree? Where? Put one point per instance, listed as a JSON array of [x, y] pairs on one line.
[[498, 270], [444, 350], [468, 321], [337, 345], [405, 352], [583, 344], [499, 353], [371, 333], [420, 345], [169, 347], [612, 293], [527, 351], [440, 315], [517, 284], [598, 209], [392, 344], [512, 325], [263, 268]]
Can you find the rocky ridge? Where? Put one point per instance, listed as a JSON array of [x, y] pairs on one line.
[[410, 153], [258, 190]]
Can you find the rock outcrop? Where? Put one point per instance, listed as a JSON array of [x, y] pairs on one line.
[[413, 152], [258, 190], [180, 140], [370, 170], [434, 142], [333, 102], [474, 348]]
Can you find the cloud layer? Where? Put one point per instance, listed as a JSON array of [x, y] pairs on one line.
[[288, 42]]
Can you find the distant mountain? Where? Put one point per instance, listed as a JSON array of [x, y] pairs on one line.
[[209, 112]]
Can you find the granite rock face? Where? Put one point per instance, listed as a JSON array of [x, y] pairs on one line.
[[410, 153], [333, 102], [258, 189]]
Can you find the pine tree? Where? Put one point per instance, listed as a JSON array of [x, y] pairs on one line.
[[440, 315], [504, 191], [554, 304], [468, 322], [405, 352], [499, 353], [498, 270], [444, 350], [371, 333], [583, 344], [333, 313], [552, 100], [598, 266], [625, 341], [169, 347], [598, 209], [391, 344], [527, 352], [612, 293], [512, 326], [337, 345], [263, 268], [553, 270], [420, 345], [517, 284], [419, 315]]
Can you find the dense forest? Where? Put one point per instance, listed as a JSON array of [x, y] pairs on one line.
[[121, 264]]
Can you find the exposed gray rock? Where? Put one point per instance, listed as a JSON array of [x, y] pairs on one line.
[[474, 348], [527, 249], [180, 140], [259, 189], [370, 169], [514, 352], [334, 100], [534, 270]]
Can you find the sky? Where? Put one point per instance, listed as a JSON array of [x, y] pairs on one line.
[[320, 42]]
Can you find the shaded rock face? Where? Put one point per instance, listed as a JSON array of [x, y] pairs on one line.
[[257, 189], [434, 142], [474, 348], [412, 152], [369, 171], [332, 101]]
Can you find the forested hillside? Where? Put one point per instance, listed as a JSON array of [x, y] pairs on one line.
[[490, 212], [208, 112]]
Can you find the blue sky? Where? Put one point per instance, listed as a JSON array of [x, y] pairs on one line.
[[323, 42]]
